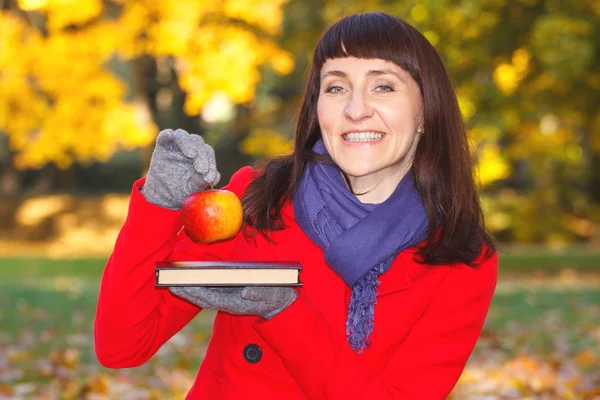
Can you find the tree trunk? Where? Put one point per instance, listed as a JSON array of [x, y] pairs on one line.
[[11, 179]]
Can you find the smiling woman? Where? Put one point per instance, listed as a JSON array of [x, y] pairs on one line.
[[369, 111], [377, 203]]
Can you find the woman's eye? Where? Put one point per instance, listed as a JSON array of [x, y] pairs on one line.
[[334, 89], [384, 88]]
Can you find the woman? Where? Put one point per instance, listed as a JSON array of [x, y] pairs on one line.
[[378, 204]]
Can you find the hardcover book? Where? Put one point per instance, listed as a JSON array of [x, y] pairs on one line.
[[228, 273]]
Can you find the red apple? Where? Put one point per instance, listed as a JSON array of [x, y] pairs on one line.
[[212, 215]]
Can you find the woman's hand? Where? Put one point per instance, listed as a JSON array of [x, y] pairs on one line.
[[264, 301], [181, 164]]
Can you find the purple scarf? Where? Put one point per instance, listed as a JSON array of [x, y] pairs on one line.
[[360, 241]]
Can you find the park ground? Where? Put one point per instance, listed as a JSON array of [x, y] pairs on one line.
[[541, 339]]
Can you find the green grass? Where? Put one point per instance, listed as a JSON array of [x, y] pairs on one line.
[[64, 287], [19, 269], [91, 269], [51, 307], [544, 316], [528, 261]]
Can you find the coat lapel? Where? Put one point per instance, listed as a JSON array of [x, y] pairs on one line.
[[395, 279], [329, 292], [322, 285]]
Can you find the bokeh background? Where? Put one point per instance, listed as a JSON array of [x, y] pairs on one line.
[[86, 85]]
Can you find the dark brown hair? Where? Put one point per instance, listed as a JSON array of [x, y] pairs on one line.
[[442, 166]]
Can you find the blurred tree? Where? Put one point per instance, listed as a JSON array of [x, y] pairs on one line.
[[528, 78], [82, 79], [272, 117]]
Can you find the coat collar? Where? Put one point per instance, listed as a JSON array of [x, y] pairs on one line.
[[393, 280], [396, 278]]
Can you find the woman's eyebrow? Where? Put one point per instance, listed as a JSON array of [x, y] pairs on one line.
[[371, 72], [339, 74], [377, 72]]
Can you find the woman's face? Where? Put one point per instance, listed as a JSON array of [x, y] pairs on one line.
[[369, 111]]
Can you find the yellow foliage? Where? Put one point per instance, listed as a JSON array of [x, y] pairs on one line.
[[492, 166], [266, 14], [506, 78], [432, 37], [580, 226], [509, 76], [547, 138], [99, 384], [595, 132], [73, 12], [135, 18], [489, 133], [61, 102], [64, 13], [282, 61], [32, 5], [466, 104], [230, 64], [419, 13], [266, 143], [520, 60]]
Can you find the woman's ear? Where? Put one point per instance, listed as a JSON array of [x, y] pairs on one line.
[[420, 128]]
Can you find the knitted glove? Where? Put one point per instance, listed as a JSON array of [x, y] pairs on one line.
[[181, 164], [264, 301]]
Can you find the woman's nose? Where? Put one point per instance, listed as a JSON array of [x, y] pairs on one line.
[[358, 107]]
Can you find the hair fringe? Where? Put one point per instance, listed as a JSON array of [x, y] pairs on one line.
[[443, 167]]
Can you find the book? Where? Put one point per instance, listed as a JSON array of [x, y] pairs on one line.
[[228, 273]]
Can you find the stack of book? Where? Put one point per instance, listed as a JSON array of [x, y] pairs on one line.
[[228, 273]]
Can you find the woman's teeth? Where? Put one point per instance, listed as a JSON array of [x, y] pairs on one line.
[[362, 136]]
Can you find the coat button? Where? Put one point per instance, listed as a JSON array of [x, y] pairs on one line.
[[252, 353]]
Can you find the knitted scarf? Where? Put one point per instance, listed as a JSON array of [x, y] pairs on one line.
[[360, 241]]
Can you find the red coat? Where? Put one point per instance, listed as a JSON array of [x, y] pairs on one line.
[[427, 320]]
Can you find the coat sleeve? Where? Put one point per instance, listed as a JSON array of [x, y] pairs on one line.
[[426, 365], [133, 317]]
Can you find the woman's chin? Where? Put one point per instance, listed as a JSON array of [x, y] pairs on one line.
[[354, 172]]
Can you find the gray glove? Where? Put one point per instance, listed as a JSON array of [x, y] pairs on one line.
[[264, 301], [181, 164]]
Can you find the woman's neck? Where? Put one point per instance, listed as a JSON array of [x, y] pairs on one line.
[[374, 188]]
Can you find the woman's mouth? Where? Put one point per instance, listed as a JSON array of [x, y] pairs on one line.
[[362, 136]]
